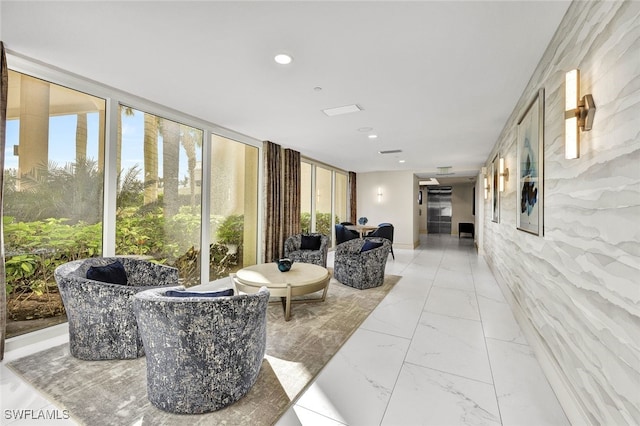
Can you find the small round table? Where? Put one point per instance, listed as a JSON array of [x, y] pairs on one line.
[[362, 229], [303, 278]]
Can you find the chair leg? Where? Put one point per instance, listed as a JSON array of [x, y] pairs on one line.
[[393, 255]]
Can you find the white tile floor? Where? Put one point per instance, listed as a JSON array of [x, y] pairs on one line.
[[443, 348]]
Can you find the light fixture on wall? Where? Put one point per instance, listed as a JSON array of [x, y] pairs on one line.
[[578, 114], [379, 194], [485, 183], [503, 175]]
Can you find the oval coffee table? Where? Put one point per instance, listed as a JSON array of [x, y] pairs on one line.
[[303, 278]]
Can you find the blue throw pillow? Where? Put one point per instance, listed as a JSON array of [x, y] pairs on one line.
[[310, 242], [370, 245], [182, 293], [112, 273]]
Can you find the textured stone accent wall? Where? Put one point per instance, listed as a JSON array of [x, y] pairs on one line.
[[578, 285]]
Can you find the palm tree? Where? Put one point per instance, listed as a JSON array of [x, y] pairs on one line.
[[129, 188], [81, 138], [191, 139], [150, 158], [170, 131], [129, 112], [72, 191]]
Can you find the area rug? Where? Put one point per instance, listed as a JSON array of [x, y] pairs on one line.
[[114, 392]]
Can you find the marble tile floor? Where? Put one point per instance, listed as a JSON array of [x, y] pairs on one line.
[[443, 348]]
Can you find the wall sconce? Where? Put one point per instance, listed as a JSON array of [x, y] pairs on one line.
[[485, 183], [503, 174], [379, 194], [578, 114]]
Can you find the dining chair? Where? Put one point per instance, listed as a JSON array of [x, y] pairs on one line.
[[385, 230]]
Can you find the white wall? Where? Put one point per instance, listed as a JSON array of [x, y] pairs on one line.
[[397, 205], [461, 206], [576, 288]]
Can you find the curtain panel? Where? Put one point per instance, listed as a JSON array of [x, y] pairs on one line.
[[272, 241], [291, 193], [4, 82], [353, 198]]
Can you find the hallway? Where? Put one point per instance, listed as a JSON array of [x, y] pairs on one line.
[[443, 348]]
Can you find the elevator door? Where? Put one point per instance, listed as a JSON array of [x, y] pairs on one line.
[[439, 210]]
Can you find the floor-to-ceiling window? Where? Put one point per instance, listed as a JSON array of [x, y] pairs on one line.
[[109, 175], [54, 159], [341, 197], [158, 204], [324, 201], [306, 201], [323, 197], [234, 206]]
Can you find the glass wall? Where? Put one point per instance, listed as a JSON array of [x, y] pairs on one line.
[[324, 201], [324, 198], [158, 210], [55, 188], [340, 190], [306, 200], [234, 206], [54, 159]]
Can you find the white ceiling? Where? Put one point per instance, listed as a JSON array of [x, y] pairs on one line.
[[437, 80]]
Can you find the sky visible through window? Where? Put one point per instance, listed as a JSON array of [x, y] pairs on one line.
[[62, 140]]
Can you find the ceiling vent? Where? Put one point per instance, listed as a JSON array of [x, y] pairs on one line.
[[391, 151], [444, 171], [342, 110]]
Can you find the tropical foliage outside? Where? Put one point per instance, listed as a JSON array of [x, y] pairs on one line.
[[53, 212], [323, 222], [38, 243]]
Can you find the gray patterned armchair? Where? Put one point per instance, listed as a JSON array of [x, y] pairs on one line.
[[203, 353], [101, 320], [307, 248], [361, 269]]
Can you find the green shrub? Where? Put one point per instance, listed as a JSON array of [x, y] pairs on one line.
[[231, 230], [35, 249], [323, 222]]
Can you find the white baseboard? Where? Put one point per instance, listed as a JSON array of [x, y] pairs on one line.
[[558, 381]]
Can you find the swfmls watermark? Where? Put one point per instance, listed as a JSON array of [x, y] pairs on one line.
[[26, 414]]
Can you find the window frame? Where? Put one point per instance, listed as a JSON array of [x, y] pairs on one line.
[[334, 170], [114, 98]]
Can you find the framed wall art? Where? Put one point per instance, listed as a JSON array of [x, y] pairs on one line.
[[495, 194], [530, 146]]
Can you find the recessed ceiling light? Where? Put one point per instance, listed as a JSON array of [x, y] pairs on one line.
[[283, 58], [372, 136], [401, 161], [342, 110]]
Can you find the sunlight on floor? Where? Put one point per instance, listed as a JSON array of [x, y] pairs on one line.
[[291, 374]]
